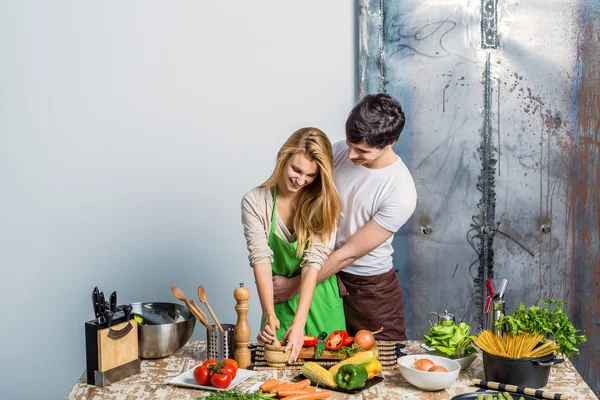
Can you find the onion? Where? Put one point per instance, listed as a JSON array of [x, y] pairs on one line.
[[437, 368], [423, 364], [364, 339]]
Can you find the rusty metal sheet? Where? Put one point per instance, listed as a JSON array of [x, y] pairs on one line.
[[531, 91]]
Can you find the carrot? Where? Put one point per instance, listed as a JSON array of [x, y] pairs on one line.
[[278, 387], [287, 393], [298, 385], [323, 394], [269, 384]]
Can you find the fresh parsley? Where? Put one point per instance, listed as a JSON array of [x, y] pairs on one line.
[[549, 320], [348, 350], [237, 395]]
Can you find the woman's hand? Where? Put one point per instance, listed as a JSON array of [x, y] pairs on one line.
[[295, 340], [266, 334]]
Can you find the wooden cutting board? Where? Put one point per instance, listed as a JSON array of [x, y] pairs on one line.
[[308, 353]]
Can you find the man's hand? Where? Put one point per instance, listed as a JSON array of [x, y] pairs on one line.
[[285, 288]]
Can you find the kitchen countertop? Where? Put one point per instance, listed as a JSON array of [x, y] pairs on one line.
[[150, 383]]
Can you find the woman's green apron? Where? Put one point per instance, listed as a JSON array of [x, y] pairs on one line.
[[326, 310]]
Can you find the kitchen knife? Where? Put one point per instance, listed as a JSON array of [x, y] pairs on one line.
[[113, 302], [102, 303], [320, 344], [96, 302]]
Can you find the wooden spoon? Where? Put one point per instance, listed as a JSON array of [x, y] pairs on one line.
[[202, 297], [179, 294], [201, 313]]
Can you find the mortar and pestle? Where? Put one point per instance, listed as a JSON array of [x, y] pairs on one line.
[[274, 352]]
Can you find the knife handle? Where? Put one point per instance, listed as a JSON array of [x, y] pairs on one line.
[[113, 302], [127, 310], [109, 317]]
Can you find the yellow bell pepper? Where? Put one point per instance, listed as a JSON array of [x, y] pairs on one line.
[[373, 368]]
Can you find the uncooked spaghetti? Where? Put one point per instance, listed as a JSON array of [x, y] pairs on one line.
[[509, 345]]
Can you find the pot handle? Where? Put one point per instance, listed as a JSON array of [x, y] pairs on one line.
[[429, 318], [548, 363]]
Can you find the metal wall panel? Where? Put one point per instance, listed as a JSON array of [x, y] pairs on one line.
[[502, 101]]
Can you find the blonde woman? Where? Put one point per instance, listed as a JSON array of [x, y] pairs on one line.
[[290, 224]]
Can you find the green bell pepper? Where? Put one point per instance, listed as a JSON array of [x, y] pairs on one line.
[[351, 377]]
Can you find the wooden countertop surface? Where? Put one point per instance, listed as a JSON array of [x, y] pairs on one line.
[[151, 382]]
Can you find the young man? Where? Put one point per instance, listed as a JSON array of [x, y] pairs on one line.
[[378, 196]]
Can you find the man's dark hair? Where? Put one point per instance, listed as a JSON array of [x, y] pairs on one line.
[[377, 121]]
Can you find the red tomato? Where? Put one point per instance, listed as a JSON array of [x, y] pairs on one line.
[[201, 375], [221, 381], [232, 362], [210, 362], [229, 370]]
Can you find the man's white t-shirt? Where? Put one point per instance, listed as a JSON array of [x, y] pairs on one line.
[[387, 195]]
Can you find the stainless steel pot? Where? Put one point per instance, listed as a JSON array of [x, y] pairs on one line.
[[157, 341]]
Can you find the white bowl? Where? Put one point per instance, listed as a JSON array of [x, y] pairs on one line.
[[430, 381]]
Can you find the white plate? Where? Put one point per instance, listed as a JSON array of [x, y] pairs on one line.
[[187, 380]]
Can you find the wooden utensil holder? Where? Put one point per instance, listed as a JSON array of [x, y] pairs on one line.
[[111, 353]]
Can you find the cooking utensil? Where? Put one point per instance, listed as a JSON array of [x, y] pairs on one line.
[[527, 372], [179, 294], [102, 303], [157, 341], [490, 288], [202, 296], [96, 303], [108, 316], [221, 345], [540, 394], [127, 310], [473, 396], [113, 302], [442, 317], [430, 381], [503, 287], [486, 306], [274, 352], [200, 313]]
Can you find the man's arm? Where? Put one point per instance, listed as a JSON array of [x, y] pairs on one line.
[[365, 240]]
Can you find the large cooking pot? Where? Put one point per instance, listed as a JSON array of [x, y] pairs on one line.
[[175, 327], [528, 372]]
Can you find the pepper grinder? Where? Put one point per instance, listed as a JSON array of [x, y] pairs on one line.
[[242, 328]]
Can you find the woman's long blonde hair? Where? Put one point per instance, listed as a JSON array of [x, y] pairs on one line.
[[318, 207]]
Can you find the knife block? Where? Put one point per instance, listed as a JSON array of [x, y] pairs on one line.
[[111, 353]]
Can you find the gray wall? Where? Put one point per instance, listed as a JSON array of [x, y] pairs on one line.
[[129, 132]]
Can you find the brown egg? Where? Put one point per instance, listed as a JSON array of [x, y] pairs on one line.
[[437, 368], [423, 364]]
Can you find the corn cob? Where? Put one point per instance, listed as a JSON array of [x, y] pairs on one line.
[[318, 374], [363, 358]]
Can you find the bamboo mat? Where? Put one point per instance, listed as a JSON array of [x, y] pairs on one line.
[[389, 352]]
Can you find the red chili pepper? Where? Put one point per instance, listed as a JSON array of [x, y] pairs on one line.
[[336, 340], [310, 341], [348, 341]]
